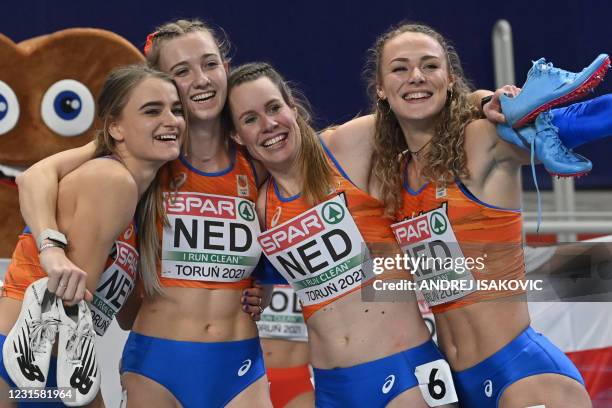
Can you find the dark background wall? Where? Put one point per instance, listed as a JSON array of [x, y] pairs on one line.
[[321, 45]]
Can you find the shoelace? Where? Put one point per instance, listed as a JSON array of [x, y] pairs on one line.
[[548, 69], [42, 331], [555, 144], [540, 68], [78, 337]]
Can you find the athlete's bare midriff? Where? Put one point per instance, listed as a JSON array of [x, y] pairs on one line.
[[195, 314], [470, 334], [351, 331], [284, 353]]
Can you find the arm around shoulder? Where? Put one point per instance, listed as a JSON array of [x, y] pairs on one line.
[[354, 136], [38, 186]]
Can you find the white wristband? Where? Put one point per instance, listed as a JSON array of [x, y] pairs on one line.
[[51, 235]]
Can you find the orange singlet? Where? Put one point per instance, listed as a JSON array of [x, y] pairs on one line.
[[115, 284], [311, 243], [437, 217], [210, 241]]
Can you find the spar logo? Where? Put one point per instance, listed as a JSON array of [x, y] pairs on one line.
[[411, 231], [333, 213], [422, 227], [209, 222], [126, 258], [304, 245], [438, 223], [201, 205], [246, 211], [291, 233]]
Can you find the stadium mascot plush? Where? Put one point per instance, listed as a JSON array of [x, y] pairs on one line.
[[48, 88]]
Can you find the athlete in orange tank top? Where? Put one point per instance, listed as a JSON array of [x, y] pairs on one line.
[[366, 211], [489, 234], [206, 225], [317, 227]]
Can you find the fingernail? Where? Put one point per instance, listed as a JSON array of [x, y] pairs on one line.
[[244, 293], [243, 299], [244, 307]]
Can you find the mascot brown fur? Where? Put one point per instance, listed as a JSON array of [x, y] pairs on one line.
[[29, 69]]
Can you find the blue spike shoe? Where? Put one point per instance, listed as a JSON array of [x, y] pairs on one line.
[[543, 138], [547, 86]]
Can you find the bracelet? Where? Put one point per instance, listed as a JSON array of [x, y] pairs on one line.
[[52, 235], [485, 100], [50, 244]]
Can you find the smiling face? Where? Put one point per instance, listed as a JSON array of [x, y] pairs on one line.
[[414, 76], [196, 65], [151, 124], [265, 123]]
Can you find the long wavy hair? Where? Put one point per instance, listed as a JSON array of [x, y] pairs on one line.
[[314, 167], [113, 97], [446, 158]]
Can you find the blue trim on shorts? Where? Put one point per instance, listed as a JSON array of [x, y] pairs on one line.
[[530, 353], [362, 385], [51, 381], [197, 374]]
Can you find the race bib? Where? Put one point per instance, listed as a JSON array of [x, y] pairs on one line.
[[116, 284], [439, 266], [436, 383], [210, 238], [319, 252], [283, 319]]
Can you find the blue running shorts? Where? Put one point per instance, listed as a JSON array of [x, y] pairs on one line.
[[197, 374], [376, 383], [528, 354]]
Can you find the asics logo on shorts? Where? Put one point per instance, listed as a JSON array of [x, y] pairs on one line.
[[246, 365], [488, 389], [389, 381]]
